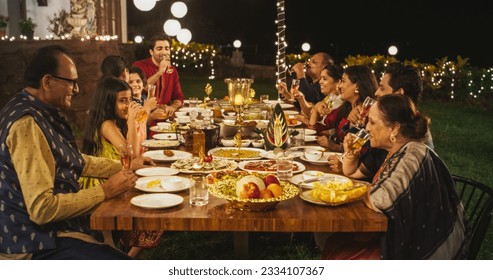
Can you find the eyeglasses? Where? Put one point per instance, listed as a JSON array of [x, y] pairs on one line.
[[73, 81]]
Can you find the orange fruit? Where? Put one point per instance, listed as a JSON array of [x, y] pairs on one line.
[[276, 189], [265, 193]]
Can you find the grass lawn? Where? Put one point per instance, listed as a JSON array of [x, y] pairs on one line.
[[463, 138]]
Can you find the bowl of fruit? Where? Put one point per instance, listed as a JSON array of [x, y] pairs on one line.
[[250, 191]]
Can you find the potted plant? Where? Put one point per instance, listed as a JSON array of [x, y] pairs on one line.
[[27, 27], [3, 25]]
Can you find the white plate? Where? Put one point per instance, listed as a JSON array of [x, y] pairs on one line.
[[286, 106], [310, 138], [179, 184], [297, 179], [160, 143], [155, 128], [186, 101], [156, 200], [157, 171], [165, 136], [296, 124], [301, 166], [271, 155], [158, 155], [217, 165], [214, 152], [190, 109], [274, 101], [310, 131], [291, 112], [306, 196], [283, 104], [323, 160]]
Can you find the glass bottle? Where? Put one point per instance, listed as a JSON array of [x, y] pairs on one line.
[[198, 139]]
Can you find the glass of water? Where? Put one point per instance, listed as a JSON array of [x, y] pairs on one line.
[[199, 194], [297, 137], [284, 168]]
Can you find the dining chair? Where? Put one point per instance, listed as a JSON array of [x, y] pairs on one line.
[[477, 199]]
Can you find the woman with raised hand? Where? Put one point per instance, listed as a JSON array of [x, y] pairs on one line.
[[357, 83], [112, 122]]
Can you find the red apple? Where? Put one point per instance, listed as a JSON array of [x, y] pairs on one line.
[[249, 179], [250, 190], [271, 178]]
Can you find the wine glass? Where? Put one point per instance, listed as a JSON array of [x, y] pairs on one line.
[[330, 102], [151, 91], [359, 140], [208, 91], [295, 85], [169, 70], [126, 155], [364, 113]]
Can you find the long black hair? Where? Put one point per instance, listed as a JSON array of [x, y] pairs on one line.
[[366, 81], [103, 108]]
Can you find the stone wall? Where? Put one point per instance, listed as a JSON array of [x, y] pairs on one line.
[[88, 55]]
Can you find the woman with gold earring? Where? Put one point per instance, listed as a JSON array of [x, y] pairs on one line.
[[413, 188]]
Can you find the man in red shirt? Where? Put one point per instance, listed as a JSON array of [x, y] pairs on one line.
[[160, 72]]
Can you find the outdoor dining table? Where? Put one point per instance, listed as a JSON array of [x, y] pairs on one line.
[[293, 215]]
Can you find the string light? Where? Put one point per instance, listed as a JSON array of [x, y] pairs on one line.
[[281, 44]]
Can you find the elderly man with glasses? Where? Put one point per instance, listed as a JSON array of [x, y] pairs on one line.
[[43, 212]]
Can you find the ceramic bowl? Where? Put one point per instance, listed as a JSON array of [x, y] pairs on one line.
[[180, 114], [313, 154], [259, 143], [228, 142], [163, 125], [245, 143], [184, 119]]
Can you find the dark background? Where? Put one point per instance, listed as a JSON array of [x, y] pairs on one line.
[[425, 30]]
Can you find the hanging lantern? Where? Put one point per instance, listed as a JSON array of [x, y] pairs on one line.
[[179, 9], [237, 44], [145, 5], [172, 27], [184, 36], [305, 47]]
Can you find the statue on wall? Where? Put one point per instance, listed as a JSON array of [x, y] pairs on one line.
[[77, 17], [90, 28]]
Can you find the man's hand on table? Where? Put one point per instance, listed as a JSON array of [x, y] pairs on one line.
[[118, 183], [142, 162]]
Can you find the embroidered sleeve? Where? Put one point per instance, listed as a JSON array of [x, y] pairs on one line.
[[35, 167]]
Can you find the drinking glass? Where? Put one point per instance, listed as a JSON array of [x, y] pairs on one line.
[[297, 137], [151, 91], [364, 113], [295, 85], [284, 167], [141, 115], [199, 194], [126, 154], [359, 140], [330, 102], [193, 101], [264, 98], [169, 70]]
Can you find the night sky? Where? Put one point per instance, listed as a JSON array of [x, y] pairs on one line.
[[425, 30]]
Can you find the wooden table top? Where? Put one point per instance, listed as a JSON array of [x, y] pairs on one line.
[[293, 215]]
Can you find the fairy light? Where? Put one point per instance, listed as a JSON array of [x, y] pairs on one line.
[[470, 84], [281, 43]]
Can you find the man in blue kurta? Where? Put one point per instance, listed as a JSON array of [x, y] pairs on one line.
[[43, 212]]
